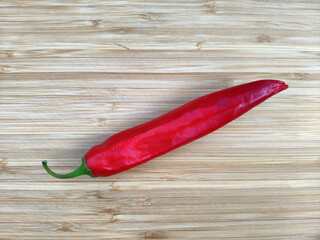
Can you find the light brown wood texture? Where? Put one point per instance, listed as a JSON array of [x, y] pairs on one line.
[[72, 73]]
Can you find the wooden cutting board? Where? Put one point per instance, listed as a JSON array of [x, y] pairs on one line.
[[72, 73]]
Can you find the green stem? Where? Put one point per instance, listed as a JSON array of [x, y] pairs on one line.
[[82, 170]]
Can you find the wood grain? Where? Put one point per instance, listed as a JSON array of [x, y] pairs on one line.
[[72, 73]]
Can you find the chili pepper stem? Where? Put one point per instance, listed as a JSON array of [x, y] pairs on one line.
[[82, 170]]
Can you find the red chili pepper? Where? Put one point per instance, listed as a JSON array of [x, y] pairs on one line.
[[185, 124]]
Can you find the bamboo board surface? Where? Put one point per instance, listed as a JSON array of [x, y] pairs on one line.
[[72, 73]]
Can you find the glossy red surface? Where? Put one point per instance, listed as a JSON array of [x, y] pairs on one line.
[[191, 121]]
